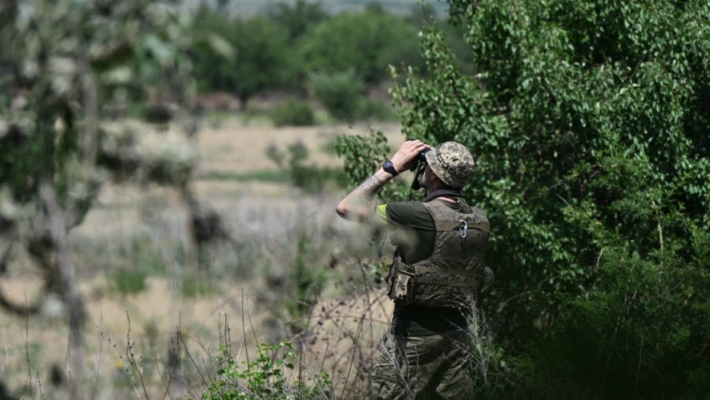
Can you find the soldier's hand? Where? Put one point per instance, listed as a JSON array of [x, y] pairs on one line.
[[406, 157]]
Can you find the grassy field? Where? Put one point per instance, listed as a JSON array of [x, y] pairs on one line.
[[147, 306]]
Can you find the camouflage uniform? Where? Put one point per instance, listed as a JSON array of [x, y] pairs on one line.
[[437, 365], [423, 367]]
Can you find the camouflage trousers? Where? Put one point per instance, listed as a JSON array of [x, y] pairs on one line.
[[423, 368]]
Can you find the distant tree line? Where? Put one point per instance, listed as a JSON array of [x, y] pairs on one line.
[[304, 51]]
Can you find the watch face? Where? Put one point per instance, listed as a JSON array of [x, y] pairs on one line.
[[389, 167]]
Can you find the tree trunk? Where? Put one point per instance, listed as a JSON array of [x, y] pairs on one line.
[[67, 276]]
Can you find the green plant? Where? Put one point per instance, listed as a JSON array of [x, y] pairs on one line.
[[378, 110], [306, 284], [342, 94], [195, 286], [241, 56], [264, 377], [364, 154], [364, 43], [308, 177], [128, 282], [293, 113]]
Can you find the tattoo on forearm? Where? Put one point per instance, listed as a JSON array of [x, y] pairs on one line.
[[371, 185]]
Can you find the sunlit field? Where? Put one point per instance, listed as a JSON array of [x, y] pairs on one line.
[[148, 307]]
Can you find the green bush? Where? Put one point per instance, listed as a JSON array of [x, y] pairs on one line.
[[341, 93], [264, 377], [128, 282], [365, 42], [293, 113], [306, 284], [196, 286], [241, 56], [378, 110], [310, 178]]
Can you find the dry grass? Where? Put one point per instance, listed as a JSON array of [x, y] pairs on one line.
[[265, 220]]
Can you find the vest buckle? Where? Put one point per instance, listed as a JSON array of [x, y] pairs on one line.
[[463, 230]]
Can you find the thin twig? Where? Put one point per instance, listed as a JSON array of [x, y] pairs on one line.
[[132, 358], [352, 360], [27, 348], [184, 345], [244, 334]]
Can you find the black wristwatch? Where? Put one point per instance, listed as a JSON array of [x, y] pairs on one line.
[[389, 167]]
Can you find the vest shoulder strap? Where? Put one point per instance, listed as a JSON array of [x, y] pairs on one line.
[[456, 219]]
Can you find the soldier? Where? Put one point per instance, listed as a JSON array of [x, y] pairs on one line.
[[435, 277]]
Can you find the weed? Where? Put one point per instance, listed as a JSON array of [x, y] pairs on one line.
[[265, 377], [293, 113], [306, 284], [195, 286], [128, 282], [341, 94], [308, 177]]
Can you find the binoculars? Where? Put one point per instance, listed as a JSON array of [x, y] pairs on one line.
[[421, 160], [419, 167], [422, 156]]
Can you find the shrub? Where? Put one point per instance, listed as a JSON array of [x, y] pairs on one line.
[[264, 378], [378, 110], [310, 178], [306, 284], [341, 94], [293, 113], [364, 42], [195, 286], [129, 282]]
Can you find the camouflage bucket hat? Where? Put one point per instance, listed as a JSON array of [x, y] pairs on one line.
[[452, 163]]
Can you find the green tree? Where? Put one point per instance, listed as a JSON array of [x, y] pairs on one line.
[[342, 94], [297, 18], [366, 42], [587, 119], [214, 53], [261, 58]]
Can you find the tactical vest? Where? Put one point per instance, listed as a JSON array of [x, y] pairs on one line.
[[452, 275]]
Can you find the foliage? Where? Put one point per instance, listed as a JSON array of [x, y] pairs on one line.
[[586, 119], [341, 93], [378, 110], [193, 286], [297, 18], [293, 113], [424, 17], [363, 42], [365, 154], [308, 177], [265, 377], [260, 59], [306, 284], [128, 282]]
